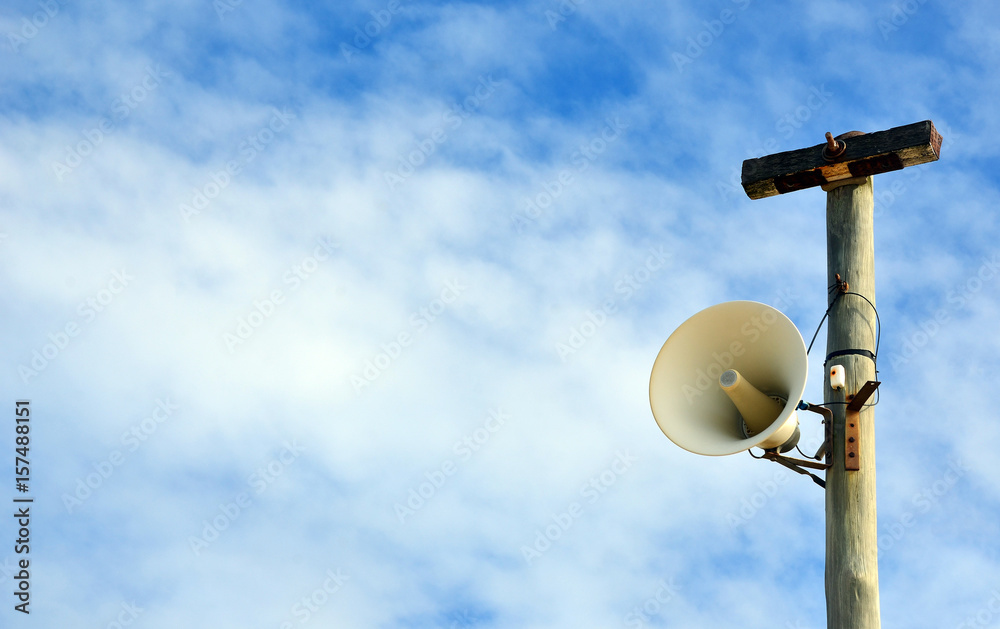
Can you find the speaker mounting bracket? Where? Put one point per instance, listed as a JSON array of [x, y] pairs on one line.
[[797, 465], [852, 425], [825, 451], [823, 455]]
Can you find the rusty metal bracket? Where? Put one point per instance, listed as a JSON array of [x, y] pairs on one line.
[[852, 426]]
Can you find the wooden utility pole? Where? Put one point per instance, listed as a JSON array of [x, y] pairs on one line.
[[844, 166], [851, 532]]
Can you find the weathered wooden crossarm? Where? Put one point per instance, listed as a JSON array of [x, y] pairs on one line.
[[865, 154]]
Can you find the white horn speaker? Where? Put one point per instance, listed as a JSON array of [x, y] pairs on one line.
[[729, 378]]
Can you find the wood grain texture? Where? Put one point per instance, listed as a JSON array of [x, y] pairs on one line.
[[851, 528], [866, 155]]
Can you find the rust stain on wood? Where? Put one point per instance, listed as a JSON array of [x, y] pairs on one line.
[[876, 165]]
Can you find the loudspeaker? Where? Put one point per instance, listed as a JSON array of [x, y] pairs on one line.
[[729, 379]]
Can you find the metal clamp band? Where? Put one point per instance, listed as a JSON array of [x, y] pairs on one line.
[[848, 352]]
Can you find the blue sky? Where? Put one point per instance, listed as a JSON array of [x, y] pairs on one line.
[[297, 294]]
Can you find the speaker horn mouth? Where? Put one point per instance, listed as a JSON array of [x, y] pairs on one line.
[[692, 396]]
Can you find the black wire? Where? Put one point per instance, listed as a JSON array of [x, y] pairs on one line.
[[825, 315], [878, 323], [845, 403], [878, 333], [820, 326]]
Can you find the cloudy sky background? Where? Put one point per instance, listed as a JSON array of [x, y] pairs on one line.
[[269, 278]]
